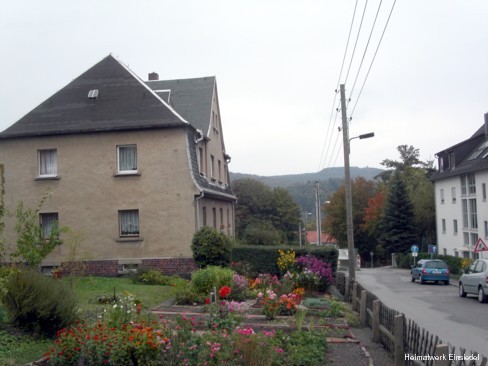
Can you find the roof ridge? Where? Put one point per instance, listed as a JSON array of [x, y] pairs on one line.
[[150, 90]]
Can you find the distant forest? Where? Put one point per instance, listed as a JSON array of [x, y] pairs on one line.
[[301, 186]]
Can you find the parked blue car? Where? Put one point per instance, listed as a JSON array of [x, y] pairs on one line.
[[431, 270]]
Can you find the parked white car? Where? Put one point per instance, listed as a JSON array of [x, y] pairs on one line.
[[475, 280]]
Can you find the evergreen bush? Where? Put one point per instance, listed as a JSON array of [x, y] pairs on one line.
[[211, 248], [39, 304]]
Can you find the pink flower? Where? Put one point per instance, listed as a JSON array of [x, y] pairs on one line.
[[279, 350], [260, 295]]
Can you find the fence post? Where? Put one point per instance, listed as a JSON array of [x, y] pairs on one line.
[[376, 321], [399, 322], [355, 296], [442, 350], [363, 314], [347, 290]]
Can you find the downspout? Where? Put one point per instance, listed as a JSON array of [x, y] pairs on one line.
[[202, 194]]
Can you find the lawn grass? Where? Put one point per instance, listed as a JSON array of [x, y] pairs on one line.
[[90, 289], [17, 348], [20, 349]]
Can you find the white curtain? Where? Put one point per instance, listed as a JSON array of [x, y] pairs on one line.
[[127, 158], [129, 222], [47, 162], [47, 223]]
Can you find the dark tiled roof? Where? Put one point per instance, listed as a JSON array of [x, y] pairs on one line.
[[124, 102], [470, 156], [202, 182], [191, 98]]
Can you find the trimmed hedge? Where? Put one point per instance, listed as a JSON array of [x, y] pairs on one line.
[[453, 263], [263, 259]]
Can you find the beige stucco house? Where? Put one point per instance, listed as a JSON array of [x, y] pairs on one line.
[[136, 167]]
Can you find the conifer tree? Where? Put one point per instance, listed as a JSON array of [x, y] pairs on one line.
[[398, 231]]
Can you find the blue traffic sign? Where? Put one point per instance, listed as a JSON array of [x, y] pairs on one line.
[[415, 249], [432, 249]]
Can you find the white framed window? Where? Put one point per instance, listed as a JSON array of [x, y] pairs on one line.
[[48, 222], [471, 184], [129, 223], [454, 227], [443, 226], [127, 159], [219, 164], [483, 191], [473, 214], [442, 196], [486, 228], [47, 163], [453, 193], [212, 167], [466, 239], [201, 166], [474, 239], [465, 213], [463, 185]]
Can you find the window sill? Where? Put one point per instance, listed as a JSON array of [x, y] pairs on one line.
[[47, 177], [129, 174], [129, 239]]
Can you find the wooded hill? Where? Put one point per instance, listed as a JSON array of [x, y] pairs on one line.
[[301, 186]]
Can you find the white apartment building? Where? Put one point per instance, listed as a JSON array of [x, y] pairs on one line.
[[461, 195]]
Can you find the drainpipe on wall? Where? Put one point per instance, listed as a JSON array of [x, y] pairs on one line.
[[202, 194]]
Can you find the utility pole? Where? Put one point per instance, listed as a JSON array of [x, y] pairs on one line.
[[317, 211], [299, 233], [347, 182]]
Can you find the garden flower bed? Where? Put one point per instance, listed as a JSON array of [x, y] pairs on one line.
[[219, 317]]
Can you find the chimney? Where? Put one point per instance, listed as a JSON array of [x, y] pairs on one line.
[[153, 76], [486, 125]]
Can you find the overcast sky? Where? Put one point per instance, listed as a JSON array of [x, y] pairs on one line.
[[277, 65]]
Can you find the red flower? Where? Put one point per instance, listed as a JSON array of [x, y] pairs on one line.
[[207, 301], [224, 291]]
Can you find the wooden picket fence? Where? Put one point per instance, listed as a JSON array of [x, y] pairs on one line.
[[406, 341]]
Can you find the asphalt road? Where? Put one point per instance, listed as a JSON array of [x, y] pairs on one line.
[[462, 322]]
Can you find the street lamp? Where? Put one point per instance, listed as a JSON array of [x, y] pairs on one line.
[[349, 222]]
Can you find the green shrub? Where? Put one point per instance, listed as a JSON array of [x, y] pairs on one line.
[[38, 303], [211, 248], [454, 264], [204, 280], [186, 294], [263, 233], [305, 348]]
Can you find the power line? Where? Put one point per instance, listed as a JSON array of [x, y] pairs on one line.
[[372, 61], [365, 49], [322, 156], [355, 44]]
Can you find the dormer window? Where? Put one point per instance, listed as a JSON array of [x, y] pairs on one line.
[[93, 94], [452, 160]]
